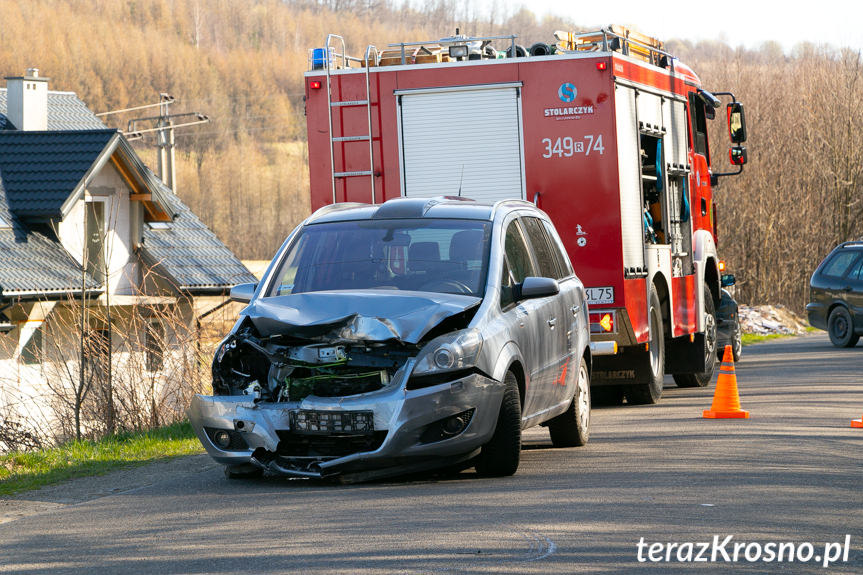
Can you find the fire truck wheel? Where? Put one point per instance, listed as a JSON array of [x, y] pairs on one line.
[[572, 427], [499, 457], [654, 364], [703, 378]]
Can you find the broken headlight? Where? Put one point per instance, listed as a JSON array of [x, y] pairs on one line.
[[451, 352]]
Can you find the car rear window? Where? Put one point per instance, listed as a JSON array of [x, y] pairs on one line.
[[839, 264], [445, 256]]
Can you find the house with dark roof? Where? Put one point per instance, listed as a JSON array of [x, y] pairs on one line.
[[93, 248]]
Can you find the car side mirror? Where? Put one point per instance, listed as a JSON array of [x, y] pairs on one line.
[[533, 287], [243, 293], [727, 280], [736, 122]]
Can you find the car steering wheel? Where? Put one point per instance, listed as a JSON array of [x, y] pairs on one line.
[[441, 285]]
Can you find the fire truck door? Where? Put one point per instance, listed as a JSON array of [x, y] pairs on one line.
[[464, 141]]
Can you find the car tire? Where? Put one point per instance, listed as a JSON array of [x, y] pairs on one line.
[[701, 379], [737, 345], [243, 471], [651, 392], [572, 427], [841, 328], [499, 457]]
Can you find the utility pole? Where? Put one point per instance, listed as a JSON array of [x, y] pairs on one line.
[[164, 128]]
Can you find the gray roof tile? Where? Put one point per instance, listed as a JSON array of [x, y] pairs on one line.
[[65, 112], [33, 260], [191, 255]]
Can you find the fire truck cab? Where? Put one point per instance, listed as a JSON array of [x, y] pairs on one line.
[[604, 131]]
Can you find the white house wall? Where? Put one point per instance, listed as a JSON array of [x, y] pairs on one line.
[[108, 187]]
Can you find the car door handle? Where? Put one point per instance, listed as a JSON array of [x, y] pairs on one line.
[[575, 309], [552, 322]]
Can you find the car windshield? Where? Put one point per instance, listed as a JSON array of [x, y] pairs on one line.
[[432, 255]]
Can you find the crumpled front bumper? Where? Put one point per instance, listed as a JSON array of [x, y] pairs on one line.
[[405, 428]]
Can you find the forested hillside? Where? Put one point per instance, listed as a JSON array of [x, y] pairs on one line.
[[241, 63]]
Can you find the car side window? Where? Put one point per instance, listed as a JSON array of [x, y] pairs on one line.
[[506, 292], [517, 254], [541, 248], [562, 261], [838, 266], [856, 272]]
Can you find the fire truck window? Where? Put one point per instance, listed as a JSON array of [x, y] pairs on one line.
[[517, 254], [541, 248], [698, 123]]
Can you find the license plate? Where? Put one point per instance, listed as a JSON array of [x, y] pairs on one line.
[[306, 421], [600, 295]]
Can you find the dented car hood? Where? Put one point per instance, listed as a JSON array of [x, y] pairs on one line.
[[356, 315]]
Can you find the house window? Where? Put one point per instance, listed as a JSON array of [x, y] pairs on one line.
[[31, 353], [155, 346], [95, 248]]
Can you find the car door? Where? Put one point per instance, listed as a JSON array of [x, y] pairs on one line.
[[853, 292], [529, 318], [559, 337]]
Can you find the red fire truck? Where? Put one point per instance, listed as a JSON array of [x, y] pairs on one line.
[[605, 131]]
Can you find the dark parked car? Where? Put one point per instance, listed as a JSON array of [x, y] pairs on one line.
[[728, 325], [836, 295], [413, 334]]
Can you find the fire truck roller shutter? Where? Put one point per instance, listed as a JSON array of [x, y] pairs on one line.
[[464, 140], [629, 171], [677, 132]]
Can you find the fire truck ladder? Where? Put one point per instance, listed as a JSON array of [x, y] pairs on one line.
[[371, 53]]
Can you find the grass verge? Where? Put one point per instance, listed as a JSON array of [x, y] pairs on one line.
[[750, 338], [25, 471]]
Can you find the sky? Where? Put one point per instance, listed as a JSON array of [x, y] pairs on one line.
[[749, 23]]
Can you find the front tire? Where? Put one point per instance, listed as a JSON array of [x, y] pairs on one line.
[[499, 457], [572, 427], [651, 392], [841, 328], [701, 379]]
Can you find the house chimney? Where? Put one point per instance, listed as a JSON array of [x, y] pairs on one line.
[[27, 101]]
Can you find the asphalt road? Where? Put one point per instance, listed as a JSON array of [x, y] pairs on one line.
[[791, 473]]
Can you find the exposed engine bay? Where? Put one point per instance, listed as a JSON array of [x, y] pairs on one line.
[[279, 368]]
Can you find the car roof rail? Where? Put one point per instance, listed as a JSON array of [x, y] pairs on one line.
[[320, 212]]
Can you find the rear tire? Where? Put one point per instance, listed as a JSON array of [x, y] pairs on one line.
[[572, 427], [703, 378], [499, 457], [651, 392], [841, 328]]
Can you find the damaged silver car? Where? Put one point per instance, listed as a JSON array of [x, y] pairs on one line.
[[392, 338]]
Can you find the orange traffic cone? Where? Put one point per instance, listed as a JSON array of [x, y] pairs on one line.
[[726, 401], [857, 422]]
